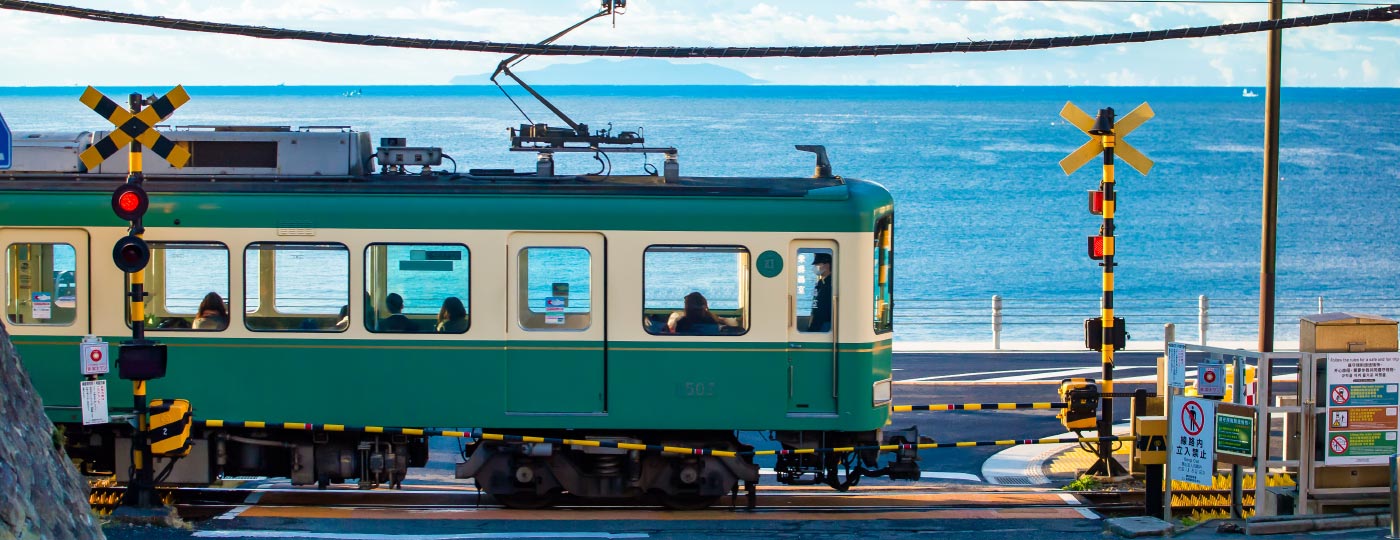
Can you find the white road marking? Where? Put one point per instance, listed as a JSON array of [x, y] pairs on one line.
[[1071, 499], [362, 536], [922, 474], [937, 377], [234, 512], [1088, 513], [950, 476], [248, 502], [1063, 373]]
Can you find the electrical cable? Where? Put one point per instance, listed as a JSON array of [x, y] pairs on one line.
[[1379, 14]]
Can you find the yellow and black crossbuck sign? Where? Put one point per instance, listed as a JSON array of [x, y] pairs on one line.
[[1094, 147], [139, 127]]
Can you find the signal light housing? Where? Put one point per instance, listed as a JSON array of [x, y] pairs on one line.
[[1096, 202], [131, 254], [130, 202], [141, 360], [1096, 248], [1093, 334]]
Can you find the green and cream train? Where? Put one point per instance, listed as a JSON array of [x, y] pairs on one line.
[[294, 282]]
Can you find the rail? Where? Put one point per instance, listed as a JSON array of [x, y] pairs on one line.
[[1041, 319]]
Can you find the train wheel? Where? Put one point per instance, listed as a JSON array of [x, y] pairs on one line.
[[527, 501], [687, 502]]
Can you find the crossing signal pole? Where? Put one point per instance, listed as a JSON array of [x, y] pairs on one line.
[[138, 360], [1107, 333]]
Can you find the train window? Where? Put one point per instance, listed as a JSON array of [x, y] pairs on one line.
[[43, 284], [884, 275], [296, 287], [695, 290], [555, 288], [186, 286], [421, 288], [813, 289]]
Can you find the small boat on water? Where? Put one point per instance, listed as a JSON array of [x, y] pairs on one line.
[[1247, 93]]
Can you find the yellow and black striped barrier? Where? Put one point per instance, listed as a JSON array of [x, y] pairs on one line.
[[978, 406], [479, 435]]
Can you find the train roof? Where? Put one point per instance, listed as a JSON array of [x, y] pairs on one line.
[[274, 176]]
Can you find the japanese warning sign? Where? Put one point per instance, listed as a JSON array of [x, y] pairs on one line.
[[1192, 456], [1363, 394]]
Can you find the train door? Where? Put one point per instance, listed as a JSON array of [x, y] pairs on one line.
[[46, 281], [812, 327], [556, 340]]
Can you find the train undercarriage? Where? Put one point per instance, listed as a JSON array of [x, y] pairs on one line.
[[517, 474]]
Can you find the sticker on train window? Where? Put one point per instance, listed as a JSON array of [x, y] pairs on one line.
[[554, 289], [42, 304], [42, 284]]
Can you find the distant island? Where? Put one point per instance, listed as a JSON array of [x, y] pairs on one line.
[[630, 72]]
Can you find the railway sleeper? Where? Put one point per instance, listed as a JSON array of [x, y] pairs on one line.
[[533, 475]]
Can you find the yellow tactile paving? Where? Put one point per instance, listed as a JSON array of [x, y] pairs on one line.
[[1077, 459]]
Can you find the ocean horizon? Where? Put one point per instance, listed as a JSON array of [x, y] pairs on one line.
[[983, 208]]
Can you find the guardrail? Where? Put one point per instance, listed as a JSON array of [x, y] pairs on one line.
[[1062, 320]]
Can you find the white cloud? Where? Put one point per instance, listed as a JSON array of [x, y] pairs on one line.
[[39, 45], [1140, 21], [1369, 72]]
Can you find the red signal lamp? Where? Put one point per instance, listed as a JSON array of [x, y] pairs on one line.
[[1096, 202], [130, 202], [1096, 248]]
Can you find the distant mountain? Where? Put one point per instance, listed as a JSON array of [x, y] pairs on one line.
[[631, 72]]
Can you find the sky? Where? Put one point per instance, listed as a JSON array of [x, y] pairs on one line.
[[47, 50]]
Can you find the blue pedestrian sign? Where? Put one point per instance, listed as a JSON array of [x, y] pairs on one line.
[[6, 146]]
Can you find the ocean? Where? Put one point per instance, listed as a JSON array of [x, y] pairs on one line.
[[983, 208]]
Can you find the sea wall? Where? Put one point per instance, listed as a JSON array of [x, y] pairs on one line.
[[41, 493]]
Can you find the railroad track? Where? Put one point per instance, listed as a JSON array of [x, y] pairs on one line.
[[911, 501]]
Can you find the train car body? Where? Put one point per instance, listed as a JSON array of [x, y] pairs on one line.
[[570, 289]]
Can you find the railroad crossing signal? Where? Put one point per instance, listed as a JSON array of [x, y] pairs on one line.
[[1104, 333], [1094, 147], [140, 127]]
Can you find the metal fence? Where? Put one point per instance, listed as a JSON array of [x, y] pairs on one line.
[[1198, 320]]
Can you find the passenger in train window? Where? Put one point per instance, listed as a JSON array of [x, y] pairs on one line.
[[396, 321], [697, 318], [821, 300], [343, 321], [452, 318], [213, 314]]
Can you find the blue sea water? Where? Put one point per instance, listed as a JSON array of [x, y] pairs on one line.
[[983, 207]]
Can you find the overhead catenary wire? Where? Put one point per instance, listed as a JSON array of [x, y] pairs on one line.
[[1379, 14]]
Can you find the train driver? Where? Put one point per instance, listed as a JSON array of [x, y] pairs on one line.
[[820, 320]]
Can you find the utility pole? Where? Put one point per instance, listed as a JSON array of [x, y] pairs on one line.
[[1268, 247]]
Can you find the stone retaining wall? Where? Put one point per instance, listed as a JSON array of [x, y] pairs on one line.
[[41, 493]]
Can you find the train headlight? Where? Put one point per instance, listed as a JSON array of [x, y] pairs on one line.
[[881, 392]]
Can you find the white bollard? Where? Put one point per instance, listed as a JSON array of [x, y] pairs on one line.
[[1203, 318], [996, 322]]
